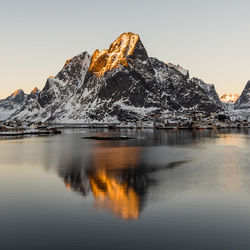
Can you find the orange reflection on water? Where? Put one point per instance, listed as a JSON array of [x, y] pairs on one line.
[[110, 192], [116, 197], [68, 185]]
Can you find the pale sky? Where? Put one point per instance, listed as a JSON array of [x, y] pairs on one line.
[[210, 38]]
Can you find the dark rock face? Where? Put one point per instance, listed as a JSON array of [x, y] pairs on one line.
[[47, 96], [139, 52], [118, 84], [244, 100]]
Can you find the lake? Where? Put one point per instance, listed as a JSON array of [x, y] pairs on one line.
[[165, 189]]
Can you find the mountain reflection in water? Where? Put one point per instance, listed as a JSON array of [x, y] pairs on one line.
[[116, 177]]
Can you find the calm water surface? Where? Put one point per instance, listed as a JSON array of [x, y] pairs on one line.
[[163, 190]]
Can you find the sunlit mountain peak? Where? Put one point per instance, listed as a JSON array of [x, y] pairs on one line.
[[35, 90], [115, 56], [18, 91]]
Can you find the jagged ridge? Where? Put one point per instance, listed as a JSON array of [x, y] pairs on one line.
[[16, 102], [118, 84]]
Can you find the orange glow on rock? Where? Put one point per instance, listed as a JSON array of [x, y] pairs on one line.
[[115, 56], [67, 61], [35, 90], [68, 186], [16, 92]]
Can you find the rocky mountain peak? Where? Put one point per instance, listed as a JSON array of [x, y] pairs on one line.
[[17, 92], [119, 54], [73, 68], [12, 104], [35, 91], [18, 96]]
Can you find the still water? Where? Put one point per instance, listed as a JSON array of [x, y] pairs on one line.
[[162, 190]]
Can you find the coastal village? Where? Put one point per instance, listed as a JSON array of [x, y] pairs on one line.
[[169, 120], [18, 128]]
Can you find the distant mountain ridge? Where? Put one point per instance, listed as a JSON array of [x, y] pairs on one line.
[[121, 83], [16, 102], [229, 98]]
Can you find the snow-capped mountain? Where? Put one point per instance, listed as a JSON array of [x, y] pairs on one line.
[[118, 84], [244, 100], [16, 102], [11, 104], [229, 98]]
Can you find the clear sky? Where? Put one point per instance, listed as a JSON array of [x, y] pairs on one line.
[[211, 38]]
